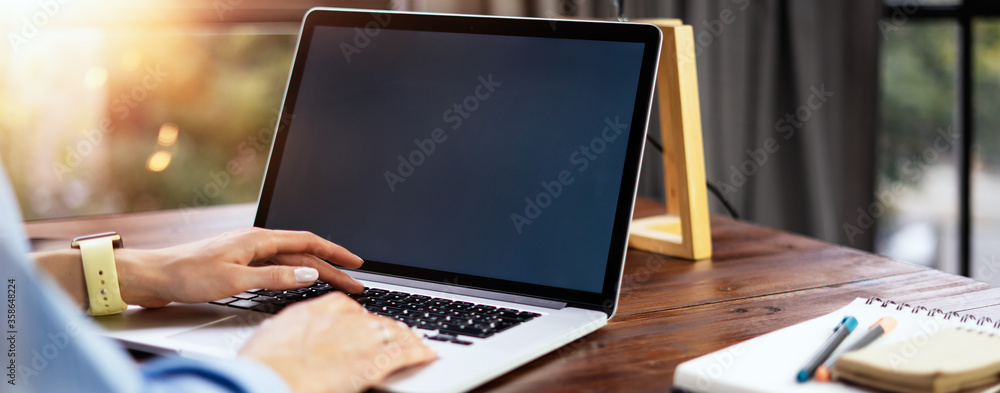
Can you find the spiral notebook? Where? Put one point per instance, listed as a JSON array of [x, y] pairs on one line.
[[769, 363]]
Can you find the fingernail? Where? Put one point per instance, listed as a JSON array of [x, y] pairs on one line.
[[306, 274], [360, 259], [356, 280]]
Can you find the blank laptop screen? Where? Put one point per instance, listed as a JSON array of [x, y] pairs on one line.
[[485, 155]]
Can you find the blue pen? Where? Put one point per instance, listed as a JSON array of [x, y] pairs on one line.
[[840, 333]]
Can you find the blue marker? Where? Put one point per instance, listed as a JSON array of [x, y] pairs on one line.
[[840, 333]]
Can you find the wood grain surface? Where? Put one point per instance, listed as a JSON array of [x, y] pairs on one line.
[[671, 310]]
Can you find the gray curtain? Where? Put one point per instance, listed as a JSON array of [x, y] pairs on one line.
[[788, 101]]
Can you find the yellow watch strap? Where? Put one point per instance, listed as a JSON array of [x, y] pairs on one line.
[[101, 276]]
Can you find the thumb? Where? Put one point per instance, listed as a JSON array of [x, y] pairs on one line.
[[281, 277]]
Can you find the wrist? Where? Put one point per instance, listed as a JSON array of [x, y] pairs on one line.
[[65, 268], [139, 277]]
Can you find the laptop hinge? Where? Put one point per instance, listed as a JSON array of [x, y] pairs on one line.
[[433, 286]]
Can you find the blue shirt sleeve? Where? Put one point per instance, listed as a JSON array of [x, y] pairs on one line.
[[51, 346], [175, 374]]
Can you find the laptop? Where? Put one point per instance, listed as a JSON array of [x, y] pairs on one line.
[[484, 167]]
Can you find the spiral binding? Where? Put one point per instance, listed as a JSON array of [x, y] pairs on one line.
[[935, 312]]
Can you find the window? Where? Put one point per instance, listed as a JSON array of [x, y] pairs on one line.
[[151, 105], [939, 164]]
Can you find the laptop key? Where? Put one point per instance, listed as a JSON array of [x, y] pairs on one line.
[[509, 315], [290, 296], [396, 296], [310, 295], [428, 325], [510, 320], [375, 293], [225, 301], [465, 330], [462, 306], [244, 304], [245, 296], [418, 299], [501, 326], [436, 310]]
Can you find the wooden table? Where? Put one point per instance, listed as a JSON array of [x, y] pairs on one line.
[[672, 310]]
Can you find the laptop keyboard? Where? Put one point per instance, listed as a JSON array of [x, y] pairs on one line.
[[449, 318]]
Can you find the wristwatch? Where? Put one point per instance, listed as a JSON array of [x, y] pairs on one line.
[[100, 272]]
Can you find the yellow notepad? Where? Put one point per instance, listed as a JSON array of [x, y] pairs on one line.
[[947, 360]]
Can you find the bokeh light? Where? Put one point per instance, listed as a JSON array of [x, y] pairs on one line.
[[158, 161]]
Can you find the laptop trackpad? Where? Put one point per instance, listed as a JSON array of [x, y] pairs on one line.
[[220, 338]]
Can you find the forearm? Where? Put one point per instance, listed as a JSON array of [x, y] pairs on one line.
[[213, 268], [135, 278], [65, 268]]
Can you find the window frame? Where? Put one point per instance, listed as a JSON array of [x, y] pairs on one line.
[[963, 14]]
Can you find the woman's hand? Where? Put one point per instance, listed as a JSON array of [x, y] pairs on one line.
[[331, 344], [231, 263]]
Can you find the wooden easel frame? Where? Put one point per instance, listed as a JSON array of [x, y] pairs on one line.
[[685, 230]]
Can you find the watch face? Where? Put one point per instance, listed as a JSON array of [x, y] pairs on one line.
[[116, 239]]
